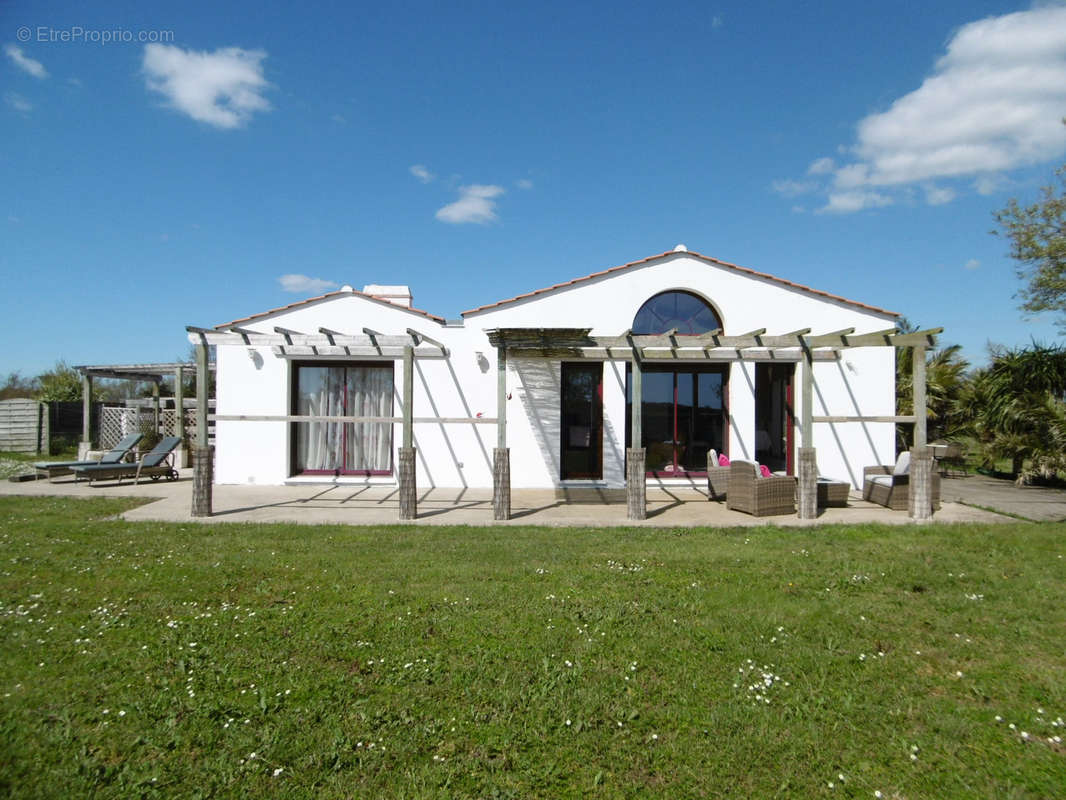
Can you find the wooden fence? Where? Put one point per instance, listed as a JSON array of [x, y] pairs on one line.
[[23, 426]]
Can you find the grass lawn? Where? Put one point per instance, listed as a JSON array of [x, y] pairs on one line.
[[167, 660]]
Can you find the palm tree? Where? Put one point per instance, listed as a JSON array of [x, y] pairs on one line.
[[945, 382], [1017, 409]]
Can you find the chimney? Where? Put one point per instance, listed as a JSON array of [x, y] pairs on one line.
[[397, 295]]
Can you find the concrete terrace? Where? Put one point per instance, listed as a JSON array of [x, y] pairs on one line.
[[317, 504]]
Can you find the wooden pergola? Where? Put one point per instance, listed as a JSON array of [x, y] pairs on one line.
[[326, 344], [799, 346], [149, 373]]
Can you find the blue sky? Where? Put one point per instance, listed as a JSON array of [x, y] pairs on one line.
[[177, 173]]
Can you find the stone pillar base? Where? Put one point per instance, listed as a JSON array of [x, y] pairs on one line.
[[203, 476], [921, 484], [636, 484], [501, 483], [807, 490], [83, 450], [408, 485]]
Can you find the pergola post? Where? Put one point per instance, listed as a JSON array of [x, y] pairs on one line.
[[155, 407], [407, 467], [203, 453], [179, 416], [501, 456], [86, 416], [807, 488], [920, 500], [636, 482]]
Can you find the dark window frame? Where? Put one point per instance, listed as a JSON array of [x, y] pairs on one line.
[[294, 383]]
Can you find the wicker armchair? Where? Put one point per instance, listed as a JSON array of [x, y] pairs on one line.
[[761, 497], [885, 485], [717, 478]]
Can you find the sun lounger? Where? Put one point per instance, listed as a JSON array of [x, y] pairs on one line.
[[154, 465], [113, 456]]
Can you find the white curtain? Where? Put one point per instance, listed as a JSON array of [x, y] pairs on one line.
[[344, 391], [369, 395]]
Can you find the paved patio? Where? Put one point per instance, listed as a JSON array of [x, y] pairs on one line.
[[668, 507], [1037, 503]]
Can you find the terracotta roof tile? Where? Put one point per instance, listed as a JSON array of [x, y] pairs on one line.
[[708, 259], [308, 301]]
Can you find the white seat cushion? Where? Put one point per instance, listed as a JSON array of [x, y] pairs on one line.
[[903, 464], [882, 480]]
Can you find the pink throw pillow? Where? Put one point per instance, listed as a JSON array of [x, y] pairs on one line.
[[723, 460], [765, 470]]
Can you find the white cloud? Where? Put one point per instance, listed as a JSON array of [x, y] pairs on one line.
[[524, 183], [989, 184], [854, 200], [476, 203], [24, 62], [420, 172], [938, 195], [223, 88], [972, 264], [993, 102], [18, 102], [302, 284], [822, 166], [790, 188]]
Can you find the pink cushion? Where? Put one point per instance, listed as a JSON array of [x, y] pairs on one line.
[[723, 460], [765, 470]]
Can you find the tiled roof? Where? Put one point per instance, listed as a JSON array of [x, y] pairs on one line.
[[327, 295], [708, 259]]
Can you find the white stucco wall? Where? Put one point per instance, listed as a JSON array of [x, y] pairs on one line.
[[458, 455]]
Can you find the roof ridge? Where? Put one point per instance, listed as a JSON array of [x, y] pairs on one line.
[[709, 259], [334, 293]]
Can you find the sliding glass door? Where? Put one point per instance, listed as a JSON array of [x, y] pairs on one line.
[[683, 417], [342, 448]]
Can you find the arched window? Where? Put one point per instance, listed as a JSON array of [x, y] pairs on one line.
[[683, 406], [685, 311]]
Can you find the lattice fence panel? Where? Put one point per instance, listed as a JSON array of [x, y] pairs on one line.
[[168, 420], [190, 423], [116, 422]]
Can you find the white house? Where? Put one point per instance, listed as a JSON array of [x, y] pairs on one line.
[[566, 409]]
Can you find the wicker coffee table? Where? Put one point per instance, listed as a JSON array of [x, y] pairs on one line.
[[832, 494]]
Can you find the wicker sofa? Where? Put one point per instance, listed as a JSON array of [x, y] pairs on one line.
[[761, 497], [890, 486]]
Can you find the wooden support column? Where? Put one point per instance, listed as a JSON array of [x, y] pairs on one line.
[[918, 385], [407, 466], [636, 482], [155, 407], [920, 487], [86, 417], [203, 454], [179, 419], [501, 456], [807, 487]]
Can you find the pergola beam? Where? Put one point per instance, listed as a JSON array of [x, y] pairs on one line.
[[289, 338], [550, 340], [421, 337]]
